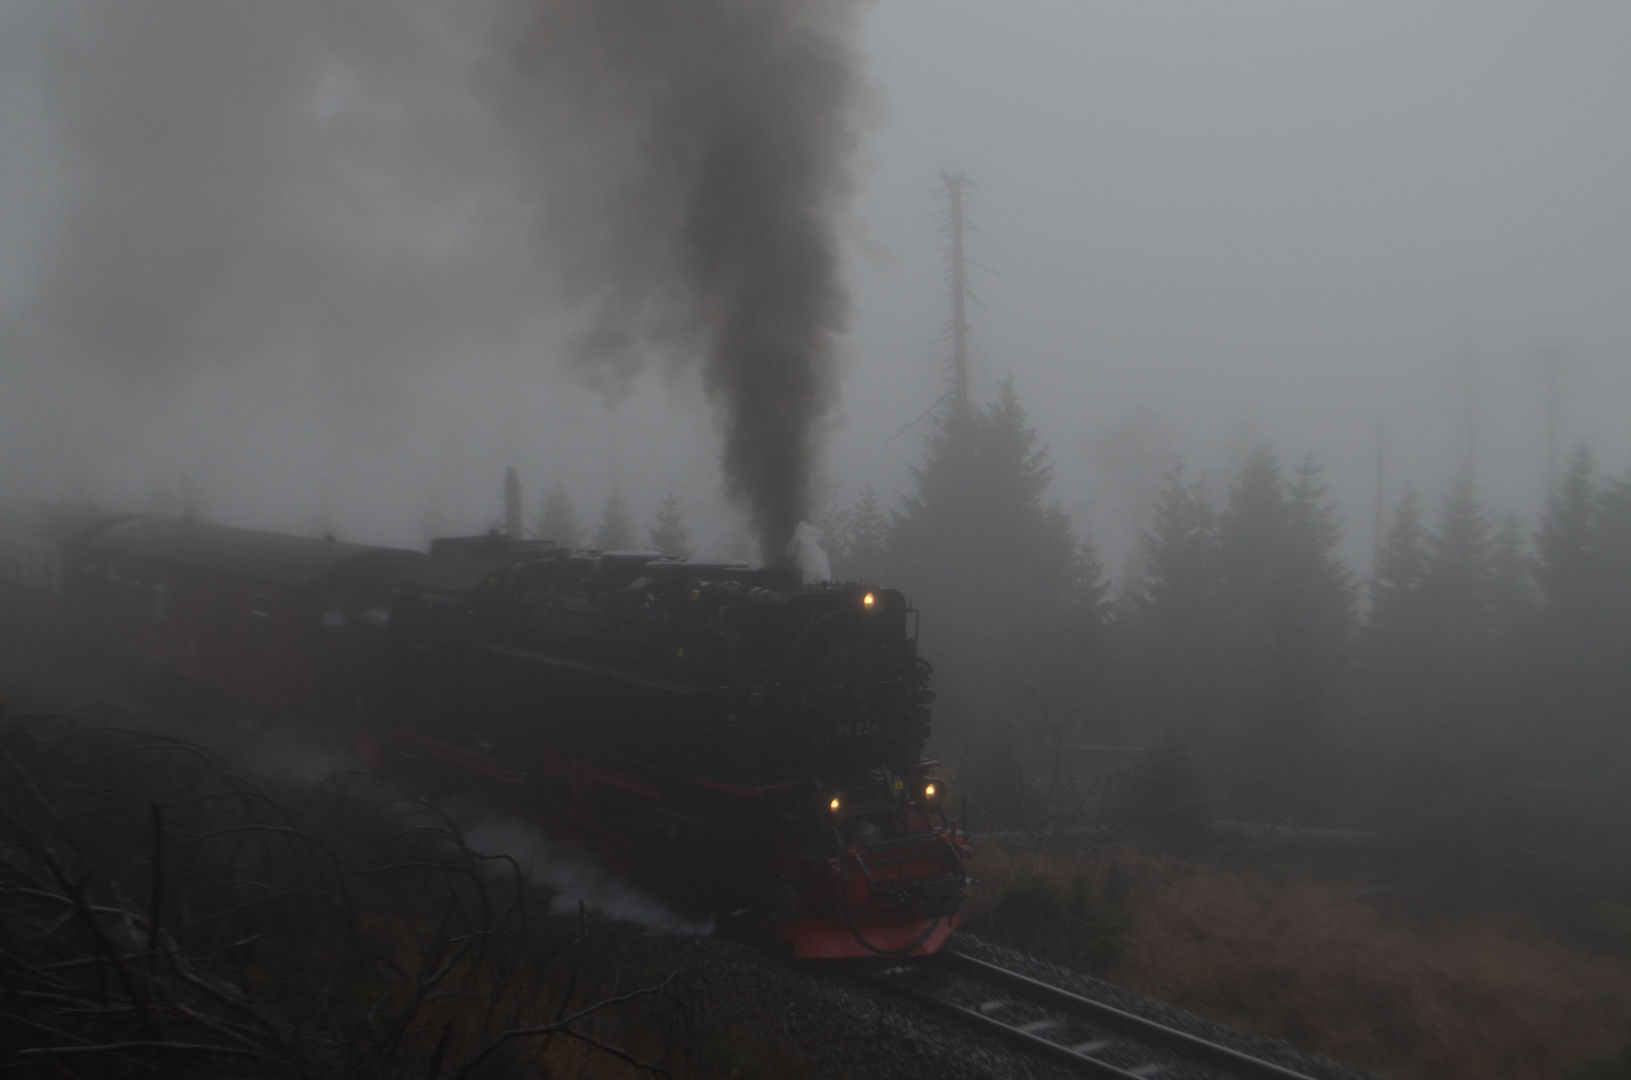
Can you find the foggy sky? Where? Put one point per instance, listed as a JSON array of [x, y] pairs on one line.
[[1267, 220], [1209, 224]]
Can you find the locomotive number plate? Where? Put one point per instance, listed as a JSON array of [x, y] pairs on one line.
[[858, 727]]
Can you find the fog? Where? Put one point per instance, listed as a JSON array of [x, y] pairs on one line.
[[327, 269]]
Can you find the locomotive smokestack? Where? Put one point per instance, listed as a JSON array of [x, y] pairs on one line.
[[712, 144]]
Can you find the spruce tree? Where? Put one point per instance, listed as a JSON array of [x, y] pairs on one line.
[[1612, 634], [1398, 636], [1327, 590], [1457, 584], [1613, 559], [1313, 618], [616, 529], [1004, 583], [864, 555], [1450, 652], [1178, 556], [1513, 599], [1396, 652], [1287, 607], [669, 535], [1169, 623], [557, 520], [1565, 541], [1252, 540], [1397, 620], [1449, 698], [1583, 568]]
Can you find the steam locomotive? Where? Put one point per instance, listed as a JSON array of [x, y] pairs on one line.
[[745, 744]]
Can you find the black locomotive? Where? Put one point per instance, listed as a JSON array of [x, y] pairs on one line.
[[749, 745]]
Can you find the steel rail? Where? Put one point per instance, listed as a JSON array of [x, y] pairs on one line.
[[1075, 1055], [1142, 1028]]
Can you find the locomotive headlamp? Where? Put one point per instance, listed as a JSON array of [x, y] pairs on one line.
[[868, 601], [928, 791], [833, 806]]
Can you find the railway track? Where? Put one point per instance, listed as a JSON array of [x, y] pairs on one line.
[[1096, 1038]]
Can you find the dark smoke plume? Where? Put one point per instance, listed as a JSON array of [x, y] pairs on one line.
[[705, 165], [379, 184]]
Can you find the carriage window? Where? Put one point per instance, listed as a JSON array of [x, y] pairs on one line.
[[259, 628]]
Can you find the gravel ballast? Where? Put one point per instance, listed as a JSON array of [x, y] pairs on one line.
[[836, 1024]]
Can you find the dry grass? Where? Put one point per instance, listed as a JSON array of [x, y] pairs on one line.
[[1292, 955]]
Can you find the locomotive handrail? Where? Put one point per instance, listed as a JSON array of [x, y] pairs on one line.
[[605, 670]]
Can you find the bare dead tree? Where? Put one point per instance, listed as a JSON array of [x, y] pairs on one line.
[[349, 932]]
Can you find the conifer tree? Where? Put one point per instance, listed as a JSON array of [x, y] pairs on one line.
[[669, 535], [868, 534], [616, 529], [1583, 568], [1565, 540], [1396, 616], [1286, 603], [1449, 650], [1178, 554], [1443, 683], [557, 520], [1613, 557], [1513, 599], [1169, 623], [1457, 581], [1252, 539], [1397, 637], [1612, 634], [1003, 580], [1313, 612]]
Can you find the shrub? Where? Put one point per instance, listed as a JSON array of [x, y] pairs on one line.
[[1070, 927], [1614, 1068], [1168, 795]]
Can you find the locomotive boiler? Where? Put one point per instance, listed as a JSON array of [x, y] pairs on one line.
[[748, 745]]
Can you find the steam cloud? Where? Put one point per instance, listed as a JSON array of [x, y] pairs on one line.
[[576, 876], [386, 183]]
